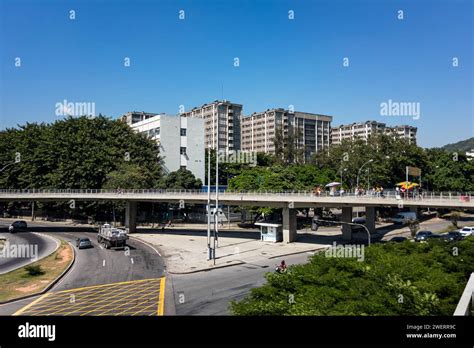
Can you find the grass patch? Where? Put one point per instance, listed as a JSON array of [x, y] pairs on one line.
[[36, 276]]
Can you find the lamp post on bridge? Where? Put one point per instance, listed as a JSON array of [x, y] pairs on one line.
[[350, 224], [360, 169]]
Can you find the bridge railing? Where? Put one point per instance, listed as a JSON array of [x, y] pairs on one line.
[[387, 194]]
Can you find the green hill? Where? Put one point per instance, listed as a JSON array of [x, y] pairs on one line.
[[460, 146]]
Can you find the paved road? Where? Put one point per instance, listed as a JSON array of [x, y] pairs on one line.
[[209, 293], [96, 265], [35, 242]]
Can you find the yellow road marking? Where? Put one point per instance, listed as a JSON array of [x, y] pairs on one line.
[[31, 304], [151, 298], [138, 293], [161, 301], [121, 298], [59, 301], [111, 284]]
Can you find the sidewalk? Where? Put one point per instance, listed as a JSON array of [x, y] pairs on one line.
[[185, 250]]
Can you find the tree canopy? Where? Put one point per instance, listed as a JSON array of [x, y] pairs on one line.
[[77, 153], [394, 279]]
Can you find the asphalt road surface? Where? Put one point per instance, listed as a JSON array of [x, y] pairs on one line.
[[96, 265], [210, 293], [35, 243]]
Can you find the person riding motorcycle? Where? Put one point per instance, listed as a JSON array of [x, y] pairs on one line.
[[281, 268]]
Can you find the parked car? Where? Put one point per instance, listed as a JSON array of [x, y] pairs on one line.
[[467, 231], [404, 217], [422, 236], [319, 221], [398, 239], [18, 226], [435, 236], [83, 243], [452, 236], [358, 220]]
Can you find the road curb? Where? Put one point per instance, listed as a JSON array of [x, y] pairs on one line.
[[50, 285], [151, 246], [208, 269], [298, 252], [243, 262]]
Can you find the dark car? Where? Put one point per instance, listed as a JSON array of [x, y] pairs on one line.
[[398, 239], [83, 243], [319, 221], [452, 236], [360, 221], [435, 236], [422, 236], [18, 226]]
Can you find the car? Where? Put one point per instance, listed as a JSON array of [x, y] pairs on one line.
[[452, 236], [422, 236], [17, 226], [467, 231], [83, 243], [404, 217], [398, 239], [434, 236], [358, 220]]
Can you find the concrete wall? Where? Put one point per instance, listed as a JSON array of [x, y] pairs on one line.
[[166, 130], [195, 147]]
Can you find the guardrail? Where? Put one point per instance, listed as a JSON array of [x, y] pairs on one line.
[[426, 196]]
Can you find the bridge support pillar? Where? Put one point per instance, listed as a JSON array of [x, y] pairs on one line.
[[370, 219], [131, 216], [289, 225], [346, 229]]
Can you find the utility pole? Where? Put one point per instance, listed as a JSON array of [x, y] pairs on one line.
[[216, 214], [209, 250]]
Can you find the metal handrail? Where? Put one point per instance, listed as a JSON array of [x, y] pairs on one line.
[[390, 194]]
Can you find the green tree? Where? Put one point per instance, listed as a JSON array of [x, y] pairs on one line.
[[394, 279], [181, 179]]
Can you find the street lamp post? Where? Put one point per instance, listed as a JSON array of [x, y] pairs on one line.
[[350, 224], [209, 250], [358, 173]]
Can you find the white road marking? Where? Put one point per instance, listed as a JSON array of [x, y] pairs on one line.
[[147, 244], [131, 259], [100, 246], [103, 263]]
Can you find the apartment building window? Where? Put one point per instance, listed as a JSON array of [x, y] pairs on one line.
[[183, 131], [182, 167], [182, 150]]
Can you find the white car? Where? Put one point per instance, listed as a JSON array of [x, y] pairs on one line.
[[404, 217], [467, 231]]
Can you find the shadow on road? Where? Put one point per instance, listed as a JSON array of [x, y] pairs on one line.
[[52, 229], [201, 233]]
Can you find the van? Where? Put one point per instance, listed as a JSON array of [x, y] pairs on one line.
[[404, 217]]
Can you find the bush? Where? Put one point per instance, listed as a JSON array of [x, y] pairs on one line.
[[34, 270], [394, 279]]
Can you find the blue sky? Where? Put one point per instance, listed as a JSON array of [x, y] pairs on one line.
[[282, 62]]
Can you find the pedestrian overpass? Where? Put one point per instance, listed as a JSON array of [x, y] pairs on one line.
[[288, 201]]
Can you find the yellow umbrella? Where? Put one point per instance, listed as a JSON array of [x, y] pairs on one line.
[[404, 183], [412, 185]]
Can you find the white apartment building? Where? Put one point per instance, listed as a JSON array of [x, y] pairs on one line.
[[180, 139], [363, 130], [258, 130], [221, 122]]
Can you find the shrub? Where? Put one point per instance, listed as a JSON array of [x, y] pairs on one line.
[[34, 270]]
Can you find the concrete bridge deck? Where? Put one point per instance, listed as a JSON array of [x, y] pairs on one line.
[[288, 201]]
